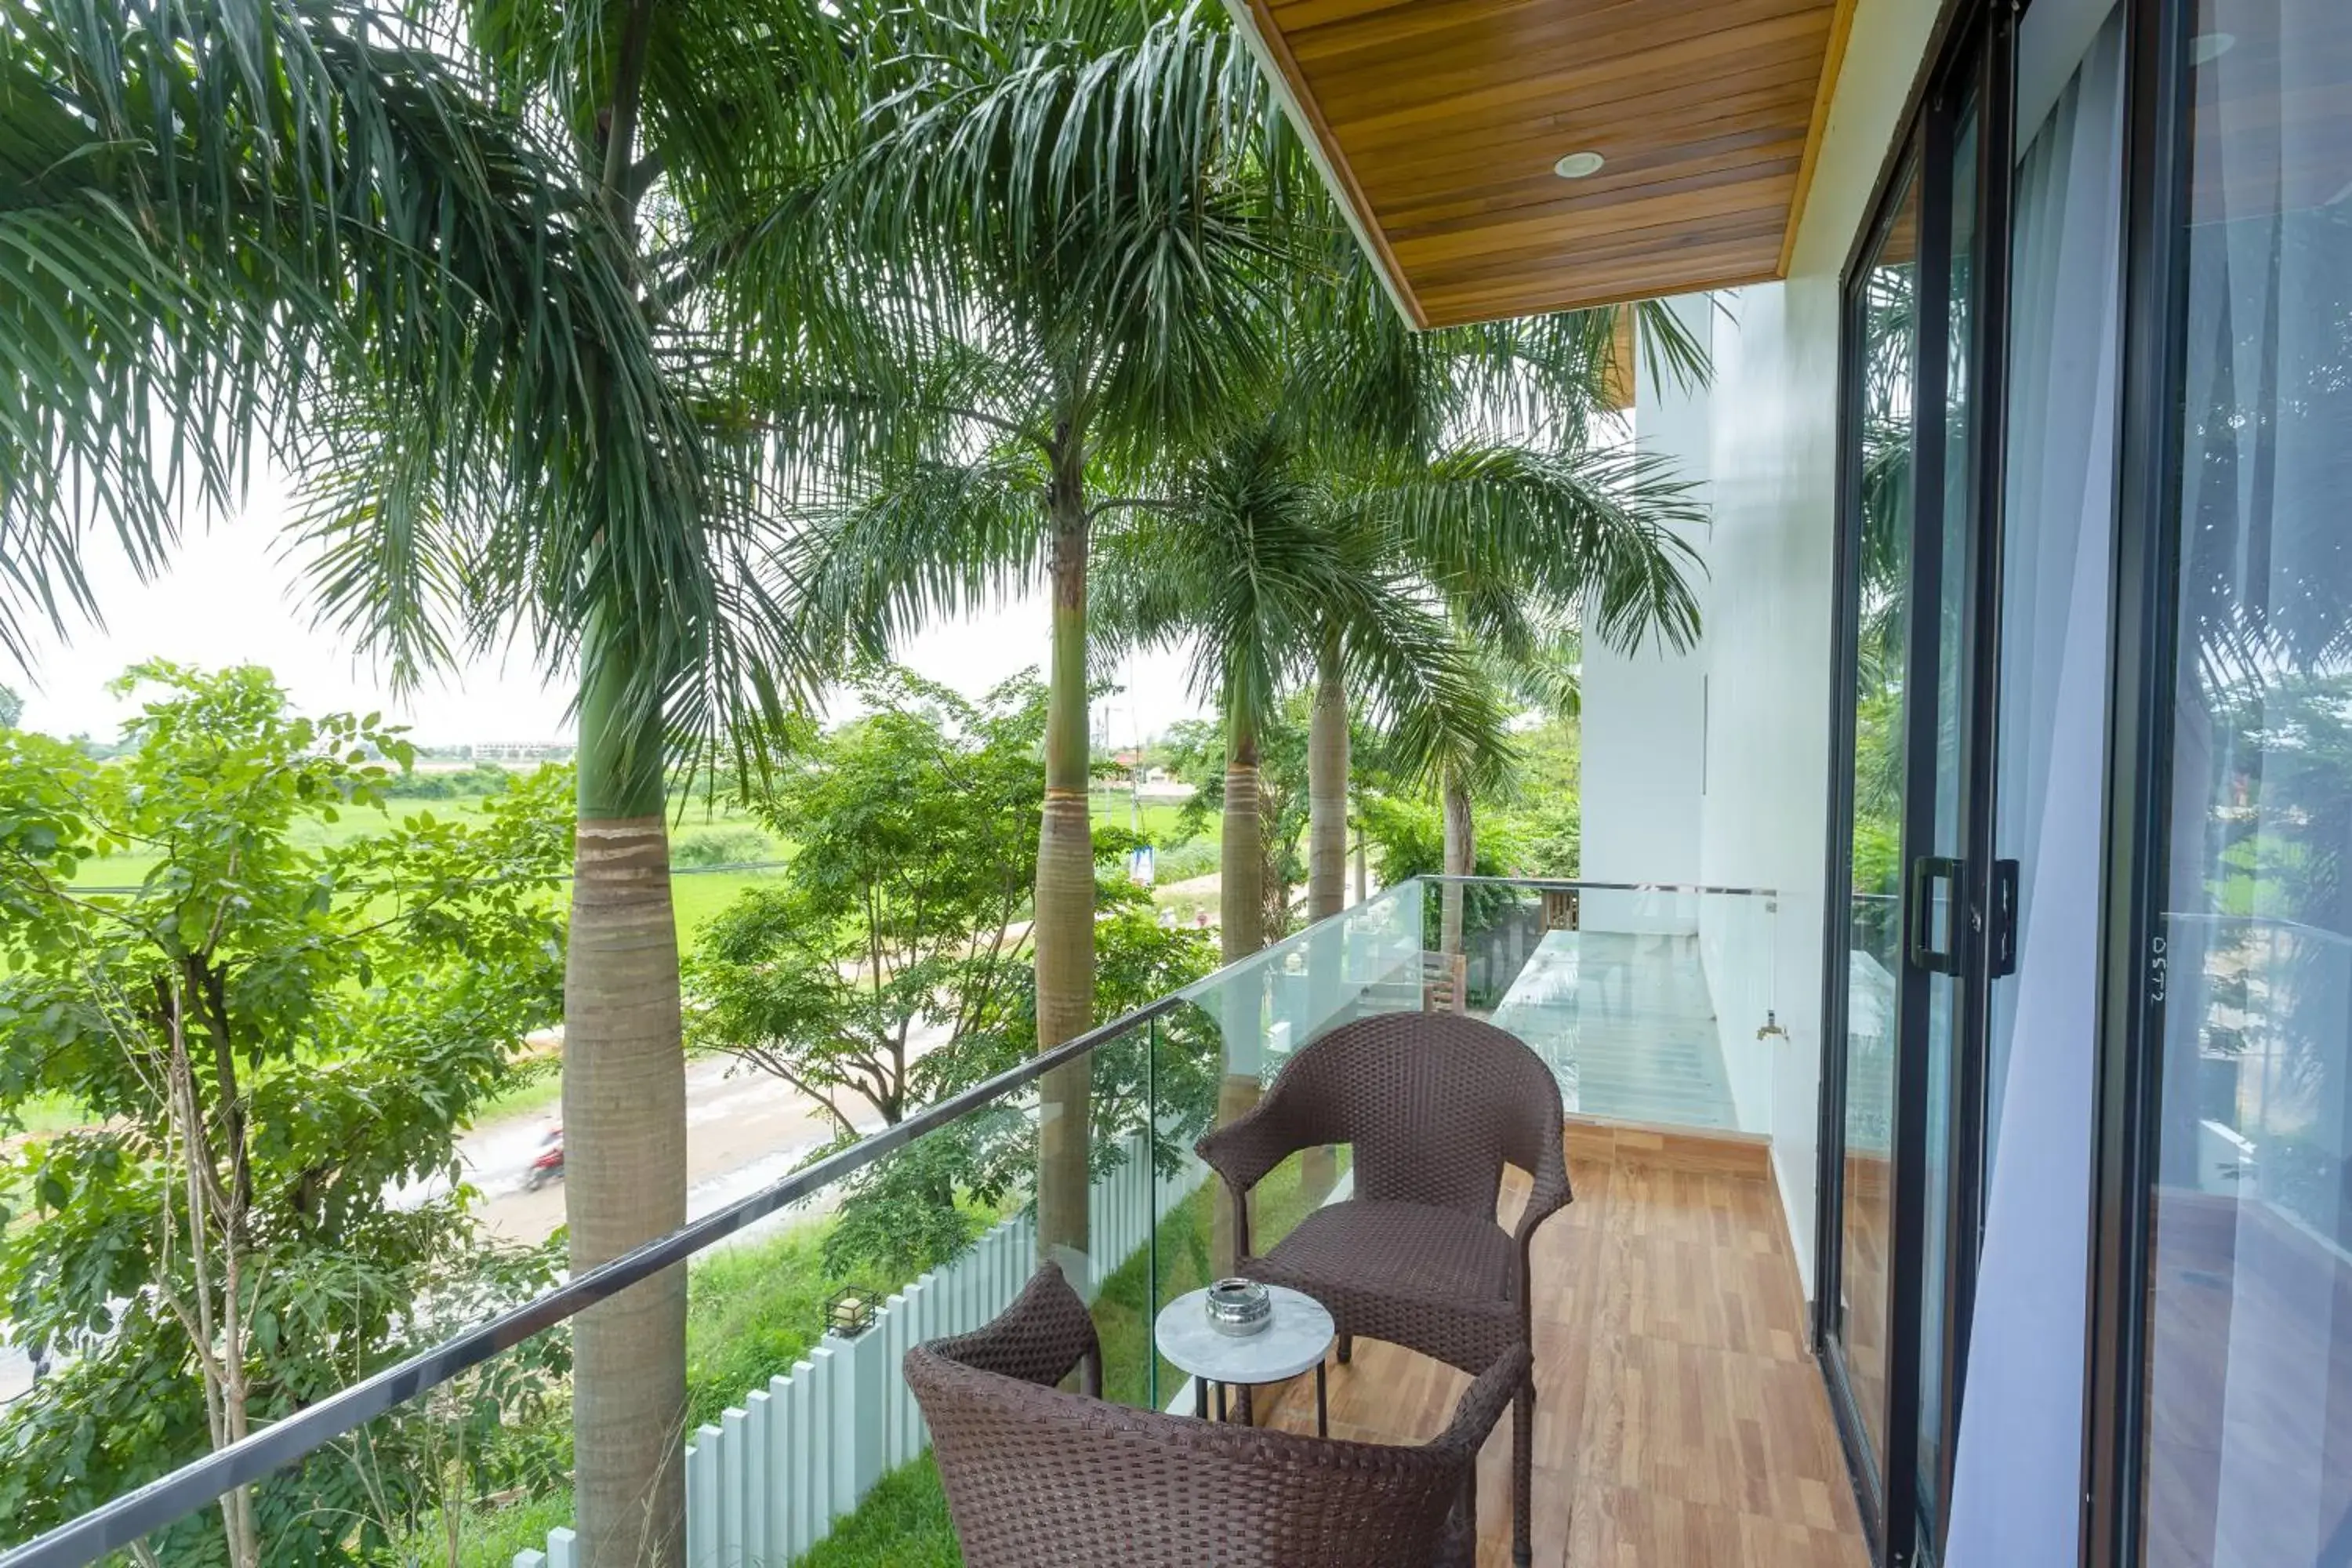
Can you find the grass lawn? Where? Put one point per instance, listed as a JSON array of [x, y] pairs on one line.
[[1121, 1320], [902, 1523], [536, 1092], [698, 896], [489, 1537], [1113, 808], [52, 1112], [750, 1312]]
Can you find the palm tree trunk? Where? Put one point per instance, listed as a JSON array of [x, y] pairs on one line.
[[624, 1135], [1064, 928], [1241, 870], [1327, 787], [1461, 854], [1241, 900], [1327, 857]]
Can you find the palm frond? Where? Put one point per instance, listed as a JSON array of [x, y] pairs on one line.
[[248, 208], [1601, 535], [1078, 179], [939, 540]]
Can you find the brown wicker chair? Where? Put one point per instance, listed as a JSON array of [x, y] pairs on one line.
[[1036, 1478], [1434, 1105]]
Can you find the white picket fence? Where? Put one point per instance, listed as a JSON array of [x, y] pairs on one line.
[[780, 1471]]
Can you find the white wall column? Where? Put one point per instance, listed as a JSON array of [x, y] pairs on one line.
[[1645, 756]]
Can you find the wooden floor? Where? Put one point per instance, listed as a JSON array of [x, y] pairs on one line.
[[1680, 1419]]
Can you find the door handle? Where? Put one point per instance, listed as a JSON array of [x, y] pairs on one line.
[[2004, 958], [1926, 872]]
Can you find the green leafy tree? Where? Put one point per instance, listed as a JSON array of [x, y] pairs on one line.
[[271, 1041], [12, 706], [919, 1207], [1550, 829], [895, 936]]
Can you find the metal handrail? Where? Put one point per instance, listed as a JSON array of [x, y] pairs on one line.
[[724, 868], [201, 1483], [1574, 885]]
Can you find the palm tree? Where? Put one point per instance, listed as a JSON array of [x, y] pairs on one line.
[[406, 256], [1059, 217], [1246, 557], [1253, 559], [1475, 448]]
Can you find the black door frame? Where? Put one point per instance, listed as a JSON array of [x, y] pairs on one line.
[[2142, 665], [1974, 55]]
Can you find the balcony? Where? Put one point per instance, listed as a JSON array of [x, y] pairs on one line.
[[1679, 1418]]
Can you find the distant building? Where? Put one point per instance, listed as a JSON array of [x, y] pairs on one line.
[[521, 751]]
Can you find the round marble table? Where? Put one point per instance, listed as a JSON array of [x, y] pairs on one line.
[[1299, 1337]]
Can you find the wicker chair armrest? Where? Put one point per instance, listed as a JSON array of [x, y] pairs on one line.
[[1244, 1150], [1547, 1195], [1038, 1339], [1483, 1403]]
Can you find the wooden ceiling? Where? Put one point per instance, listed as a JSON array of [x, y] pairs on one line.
[[2273, 130], [1440, 120]]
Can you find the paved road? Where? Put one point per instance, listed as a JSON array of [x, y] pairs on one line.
[[743, 1130]]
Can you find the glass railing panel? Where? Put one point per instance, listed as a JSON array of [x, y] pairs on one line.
[[467, 1472], [800, 1435], [1218, 1051], [1652, 1005], [932, 1240], [940, 1237], [801, 1439]]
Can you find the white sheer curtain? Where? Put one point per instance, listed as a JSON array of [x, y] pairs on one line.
[[2017, 1476], [2249, 1445]]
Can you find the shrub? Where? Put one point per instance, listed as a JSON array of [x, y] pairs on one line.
[[720, 847]]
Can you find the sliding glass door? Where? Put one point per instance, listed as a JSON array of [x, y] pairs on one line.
[[1904, 996], [2222, 1404], [2088, 1012], [1883, 328]]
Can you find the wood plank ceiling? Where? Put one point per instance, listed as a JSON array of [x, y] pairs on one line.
[[1439, 121]]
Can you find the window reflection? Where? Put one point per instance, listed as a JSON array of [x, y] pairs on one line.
[[2250, 1420], [1888, 334]]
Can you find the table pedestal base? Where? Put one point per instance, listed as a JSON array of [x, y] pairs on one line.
[[1200, 1387]]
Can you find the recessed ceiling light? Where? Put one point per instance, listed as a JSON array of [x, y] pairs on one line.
[[1579, 165], [2206, 48]]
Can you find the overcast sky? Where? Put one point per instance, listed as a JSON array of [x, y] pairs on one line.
[[232, 599]]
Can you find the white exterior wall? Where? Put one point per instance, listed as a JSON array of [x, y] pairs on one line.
[[1644, 711], [1764, 437], [1766, 815]]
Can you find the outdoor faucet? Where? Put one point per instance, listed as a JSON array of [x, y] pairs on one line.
[[1772, 1026]]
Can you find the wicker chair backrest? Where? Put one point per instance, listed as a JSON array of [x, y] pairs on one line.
[[1433, 1104]]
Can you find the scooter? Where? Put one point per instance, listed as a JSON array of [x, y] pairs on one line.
[[549, 1165]]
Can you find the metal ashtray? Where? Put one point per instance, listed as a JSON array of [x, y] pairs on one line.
[[1240, 1308]]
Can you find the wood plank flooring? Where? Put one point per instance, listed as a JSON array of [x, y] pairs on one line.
[[1680, 1419]]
